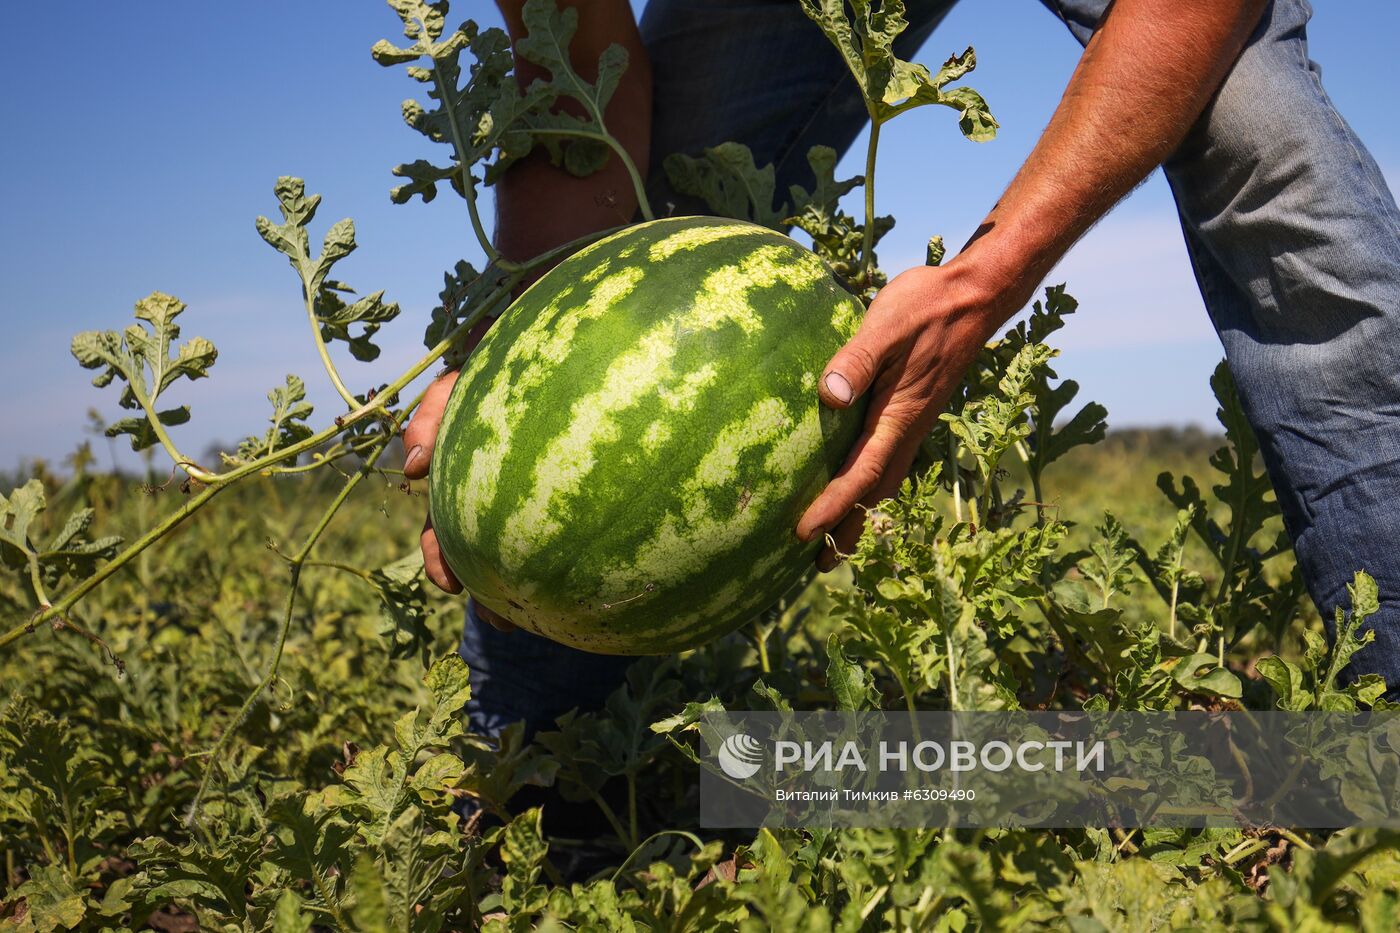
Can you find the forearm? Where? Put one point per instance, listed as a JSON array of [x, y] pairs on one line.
[[539, 206], [1144, 79]]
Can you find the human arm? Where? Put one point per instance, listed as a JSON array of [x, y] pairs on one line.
[[1144, 79], [539, 206]]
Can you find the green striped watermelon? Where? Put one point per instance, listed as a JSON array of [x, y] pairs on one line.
[[625, 456]]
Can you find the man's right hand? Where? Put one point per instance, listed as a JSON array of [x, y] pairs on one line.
[[540, 207]]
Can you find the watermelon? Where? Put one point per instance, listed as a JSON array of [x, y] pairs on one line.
[[623, 461]]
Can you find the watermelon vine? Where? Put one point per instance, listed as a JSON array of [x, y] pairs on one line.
[[210, 752]]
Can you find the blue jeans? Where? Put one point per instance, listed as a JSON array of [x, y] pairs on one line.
[[1293, 234]]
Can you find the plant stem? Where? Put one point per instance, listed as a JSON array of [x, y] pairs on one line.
[[215, 482], [691, 837], [1176, 589], [194, 470], [321, 349], [459, 150], [1245, 849], [952, 671], [643, 203], [111, 567], [632, 806], [867, 246], [760, 640], [337, 565], [611, 816]]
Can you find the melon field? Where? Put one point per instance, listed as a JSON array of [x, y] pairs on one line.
[[232, 701]]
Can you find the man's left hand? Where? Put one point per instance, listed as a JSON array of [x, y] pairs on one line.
[[919, 336]]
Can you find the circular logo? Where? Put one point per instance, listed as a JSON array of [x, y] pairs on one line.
[[740, 756]]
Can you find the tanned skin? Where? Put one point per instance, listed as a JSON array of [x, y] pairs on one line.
[[1144, 79]]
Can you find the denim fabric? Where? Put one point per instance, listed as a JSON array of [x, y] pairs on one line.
[[520, 677], [1292, 232]]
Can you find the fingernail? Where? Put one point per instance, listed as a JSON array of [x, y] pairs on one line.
[[414, 453], [818, 534], [839, 388]]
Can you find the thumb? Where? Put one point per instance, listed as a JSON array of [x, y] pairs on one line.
[[852, 369]]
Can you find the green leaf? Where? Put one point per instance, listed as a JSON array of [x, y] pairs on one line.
[[934, 253], [1054, 434], [334, 316], [403, 607], [1286, 680], [990, 425], [53, 900], [369, 911], [393, 887], [495, 774], [140, 357], [889, 84], [522, 851], [478, 111], [464, 294], [687, 717], [17, 514], [310, 842], [211, 878], [847, 679], [837, 237], [549, 31], [289, 413], [290, 916], [1202, 673], [1365, 602], [64, 779], [1111, 564], [729, 183]]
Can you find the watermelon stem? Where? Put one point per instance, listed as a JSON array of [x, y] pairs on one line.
[[464, 162], [760, 640], [638, 186], [867, 247]]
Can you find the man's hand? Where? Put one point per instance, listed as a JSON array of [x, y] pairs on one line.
[[1145, 77], [921, 333]]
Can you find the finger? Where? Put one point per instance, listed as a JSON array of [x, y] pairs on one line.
[[421, 433], [843, 538], [494, 619], [863, 470], [433, 563], [854, 367]]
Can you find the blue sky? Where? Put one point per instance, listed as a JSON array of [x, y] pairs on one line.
[[144, 138]]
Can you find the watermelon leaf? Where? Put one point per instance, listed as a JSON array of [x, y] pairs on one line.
[[403, 607], [289, 413], [837, 237], [332, 316], [889, 84], [463, 291], [847, 678], [729, 183], [549, 31], [481, 117], [141, 358]]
